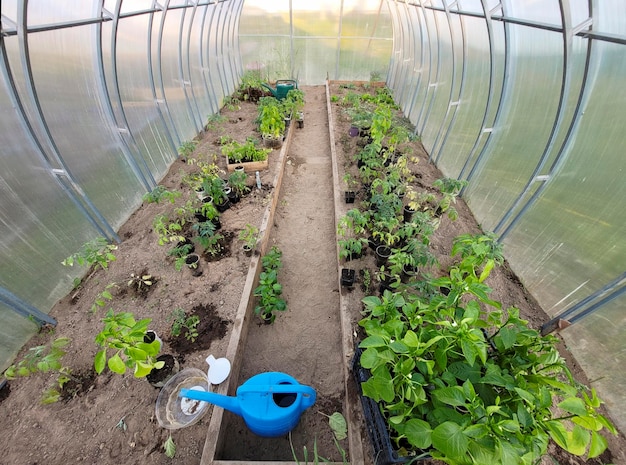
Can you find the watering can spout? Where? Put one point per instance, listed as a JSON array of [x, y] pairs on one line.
[[227, 403], [273, 91]]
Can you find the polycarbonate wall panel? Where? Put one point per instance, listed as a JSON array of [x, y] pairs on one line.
[[269, 54], [99, 166], [314, 59], [538, 132], [138, 97], [94, 112], [546, 11], [572, 241], [363, 59], [14, 332], [472, 103], [347, 40], [440, 78], [172, 78], [598, 340], [531, 98]]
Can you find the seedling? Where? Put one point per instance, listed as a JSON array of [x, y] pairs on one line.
[[183, 322], [249, 235], [161, 193], [141, 282], [97, 252], [44, 359], [125, 336]]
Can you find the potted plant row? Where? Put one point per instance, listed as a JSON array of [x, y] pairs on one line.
[[444, 370]]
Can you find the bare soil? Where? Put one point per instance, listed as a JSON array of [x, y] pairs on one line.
[[109, 419]]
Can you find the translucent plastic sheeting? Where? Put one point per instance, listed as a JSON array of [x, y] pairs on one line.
[[138, 96], [541, 144], [363, 59], [529, 106], [599, 348], [546, 11], [572, 241], [338, 40], [461, 136], [97, 111], [15, 331]]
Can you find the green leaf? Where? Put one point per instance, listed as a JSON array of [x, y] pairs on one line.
[[463, 371], [598, 445], [507, 336], [449, 439], [399, 347], [339, 426], [411, 339], [373, 341], [116, 364], [450, 395], [370, 358], [100, 361], [507, 453], [418, 433], [143, 369], [574, 405], [170, 447], [578, 440], [379, 388], [137, 354], [486, 270]]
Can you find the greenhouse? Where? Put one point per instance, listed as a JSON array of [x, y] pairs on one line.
[[490, 129]]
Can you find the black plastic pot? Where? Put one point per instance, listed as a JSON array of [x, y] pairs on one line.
[[222, 205], [193, 263], [382, 254], [373, 243], [350, 196], [158, 378], [347, 277], [407, 214]]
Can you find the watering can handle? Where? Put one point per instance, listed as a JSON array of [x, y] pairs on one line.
[[277, 389]]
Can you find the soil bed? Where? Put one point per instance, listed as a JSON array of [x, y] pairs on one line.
[[109, 419]]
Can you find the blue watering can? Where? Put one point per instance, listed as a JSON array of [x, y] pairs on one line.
[[283, 86], [270, 403]]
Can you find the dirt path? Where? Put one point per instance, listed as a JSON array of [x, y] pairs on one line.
[[307, 336]]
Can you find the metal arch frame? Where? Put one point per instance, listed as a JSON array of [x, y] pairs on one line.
[[452, 102], [396, 44], [489, 103], [417, 73], [219, 53], [113, 93], [25, 309], [233, 75], [193, 102], [406, 50], [183, 82], [239, 61], [206, 59], [566, 84], [487, 127], [156, 100], [428, 94], [461, 91], [589, 304], [424, 41], [159, 69], [61, 172]]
